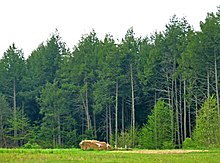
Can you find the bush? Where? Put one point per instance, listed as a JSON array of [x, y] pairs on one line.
[[188, 143], [125, 139], [31, 146], [168, 145]]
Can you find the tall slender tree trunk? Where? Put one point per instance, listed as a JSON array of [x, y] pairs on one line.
[[59, 130], [208, 87], [110, 122], [122, 120], [106, 122], [171, 113], [184, 108], [87, 110], [85, 103], [181, 114], [15, 112], [83, 120], [94, 124], [22, 128], [177, 114], [168, 91], [196, 106], [216, 87], [172, 94], [155, 120], [189, 120], [172, 107], [54, 141], [132, 103], [116, 115]]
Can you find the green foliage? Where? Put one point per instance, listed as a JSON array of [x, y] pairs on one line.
[[157, 134], [168, 145], [88, 135], [21, 124], [56, 97], [57, 122], [30, 145], [189, 144], [125, 139], [207, 131], [5, 113]]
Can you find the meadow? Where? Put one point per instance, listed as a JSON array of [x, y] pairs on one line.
[[78, 155]]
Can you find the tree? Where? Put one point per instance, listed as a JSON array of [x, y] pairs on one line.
[[157, 133], [207, 132], [21, 124], [5, 113], [129, 52], [58, 124], [42, 67], [210, 37], [14, 69]]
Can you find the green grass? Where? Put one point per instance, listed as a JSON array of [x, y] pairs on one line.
[[77, 155]]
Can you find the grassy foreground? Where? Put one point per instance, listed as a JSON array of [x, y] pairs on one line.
[[77, 155]]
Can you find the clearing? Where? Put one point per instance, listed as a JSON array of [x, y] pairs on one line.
[[133, 156]]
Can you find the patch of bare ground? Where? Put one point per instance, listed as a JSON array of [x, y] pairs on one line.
[[173, 151]]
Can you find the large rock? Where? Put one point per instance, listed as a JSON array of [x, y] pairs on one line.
[[94, 144]]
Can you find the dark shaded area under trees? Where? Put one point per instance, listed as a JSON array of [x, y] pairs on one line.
[[142, 92]]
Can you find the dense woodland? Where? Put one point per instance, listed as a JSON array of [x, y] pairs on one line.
[[160, 91]]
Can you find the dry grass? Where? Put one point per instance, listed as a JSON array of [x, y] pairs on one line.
[[174, 151]]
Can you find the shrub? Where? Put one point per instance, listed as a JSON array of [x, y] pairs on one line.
[[30, 145], [188, 143], [168, 145], [125, 139]]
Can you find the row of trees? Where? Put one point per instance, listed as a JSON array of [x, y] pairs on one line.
[[105, 90]]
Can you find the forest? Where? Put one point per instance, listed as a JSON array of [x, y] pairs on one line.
[[155, 92]]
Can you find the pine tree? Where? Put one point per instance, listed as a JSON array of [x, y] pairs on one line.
[[5, 113], [207, 132], [157, 133]]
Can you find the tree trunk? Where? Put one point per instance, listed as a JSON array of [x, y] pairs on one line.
[[106, 124], [216, 88], [189, 119], [110, 122], [170, 105], [22, 128], [87, 110], [196, 107], [181, 114], [208, 87], [184, 108], [85, 103], [155, 120], [59, 130], [132, 102], [14, 112], [177, 114], [54, 141], [83, 120], [122, 121], [94, 124], [116, 115]]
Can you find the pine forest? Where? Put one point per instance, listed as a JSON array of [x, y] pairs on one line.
[[156, 92]]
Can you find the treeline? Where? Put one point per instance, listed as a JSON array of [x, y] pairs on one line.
[[152, 92]]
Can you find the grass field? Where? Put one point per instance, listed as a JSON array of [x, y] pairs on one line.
[[77, 155]]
